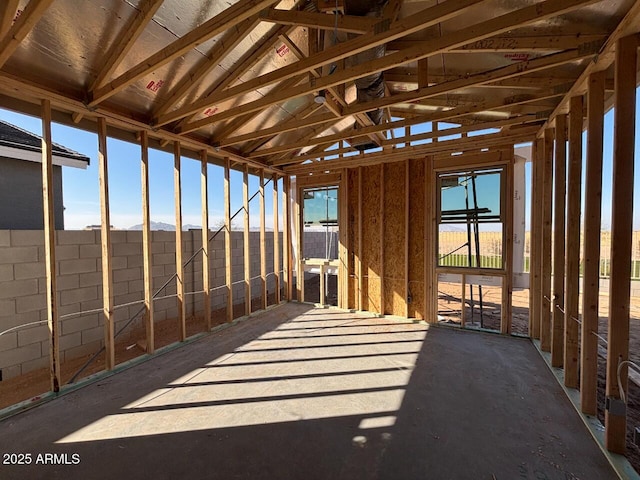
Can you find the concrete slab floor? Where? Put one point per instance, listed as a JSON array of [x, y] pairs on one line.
[[304, 393]]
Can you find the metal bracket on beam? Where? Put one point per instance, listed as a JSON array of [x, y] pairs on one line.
[[615, 406]]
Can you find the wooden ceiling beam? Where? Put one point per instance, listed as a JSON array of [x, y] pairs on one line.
[[510, 71], [442, 115], [419, 21], [497, 25], [23, 25], [511, 44], [7, 14], [476, 142], [629, 25], [125, 40], [220, 50], [226, 19], [321, 21]]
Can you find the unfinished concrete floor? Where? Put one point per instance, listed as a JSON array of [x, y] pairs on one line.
[[304, 393]]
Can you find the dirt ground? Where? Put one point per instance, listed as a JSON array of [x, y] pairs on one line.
[[131, 344]]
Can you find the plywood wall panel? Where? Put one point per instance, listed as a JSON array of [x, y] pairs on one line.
[[352, 225], [394, 238], [371, 219], [416, 237]]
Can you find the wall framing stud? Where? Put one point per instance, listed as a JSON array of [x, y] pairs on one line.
[[177, 189], [146, 244], [206, 280]]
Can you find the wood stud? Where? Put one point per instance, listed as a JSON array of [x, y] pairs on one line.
[[228, 259], [545, 267], [206, 254], [180, 280], [146, 244]]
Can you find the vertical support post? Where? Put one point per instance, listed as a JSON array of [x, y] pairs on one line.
[[299, 233], [206, 283], [247, 247], [146, 243], [228, 258], [557, 319], [105, 240], [286, 237], [53, 321], [507, 283], [430, 232], [423, 73], [322, 285], [359, 260], [535, 240], [463, 301], [621, 236], [276, 239], [263, 246], [382, 305], [343, 246], [592, 219], [177, 189], [572, 266], [407, 197], [545, 291]]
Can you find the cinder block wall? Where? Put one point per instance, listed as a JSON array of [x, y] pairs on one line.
[[79, 276]]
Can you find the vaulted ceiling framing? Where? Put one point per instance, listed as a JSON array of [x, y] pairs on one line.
[[241, 79]]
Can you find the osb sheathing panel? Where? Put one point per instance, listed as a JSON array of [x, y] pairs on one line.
[[371, 219], [352, 226], [416, 237], [394, 238]]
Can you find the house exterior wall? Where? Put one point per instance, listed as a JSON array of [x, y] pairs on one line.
[[21, 195]]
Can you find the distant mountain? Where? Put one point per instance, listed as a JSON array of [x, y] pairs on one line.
[[164, 226]]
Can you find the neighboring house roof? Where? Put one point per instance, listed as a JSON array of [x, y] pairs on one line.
[[21, 144]]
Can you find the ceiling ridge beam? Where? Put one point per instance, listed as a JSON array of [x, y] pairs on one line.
[[503, 23], [419, 21], [226, 19], [125, 40], [23, 25]]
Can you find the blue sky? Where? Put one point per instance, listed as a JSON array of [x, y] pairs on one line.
[[81, 197]]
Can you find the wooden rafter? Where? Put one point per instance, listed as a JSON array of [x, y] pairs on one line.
[[510, 44], [322, 21], [7, 14], [419, 21], [221, 49], [126, 39], [472, 143], [431, 117], [21, 27], [486, 29], [212, 27]]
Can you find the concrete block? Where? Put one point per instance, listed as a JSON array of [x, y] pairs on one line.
[[28, 270], [18, 288], [37, 364], [90, 335], [136, 286], [6, 272], [120, 288], [11, 372], [7, 308], [84, 265], [90, 279], [170, 269], [8, 341], [78, 324], [31, 303], [127, 275], [170, 246], [117, 263], [70, 341], [93, 305], [135, 261], [120, 236], [125, 249], [5, 238], [157, 247], [33, 335], [76, 237], [90, 251], [67, 252], [68, 309], [20, 355], [163, 258], [25, 238], [14, 255], [79, 295]]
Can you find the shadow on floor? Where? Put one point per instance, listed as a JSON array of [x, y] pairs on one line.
[[317, 394]]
